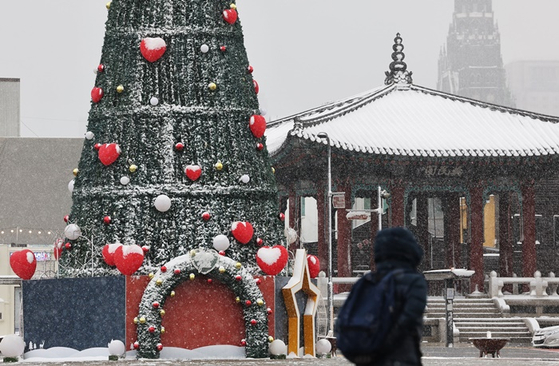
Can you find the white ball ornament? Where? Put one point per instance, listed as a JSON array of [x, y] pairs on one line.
[[89, 135], [162, 203], [71, 185], [245, 178], [291, 235], [72, 231], [204, 48], [277, 348], [12, 346], [154, 101], [124, 180], [221, 243], [116, 348], [323, 347]]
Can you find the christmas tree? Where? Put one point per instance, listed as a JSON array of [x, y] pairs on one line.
[[174, 157]]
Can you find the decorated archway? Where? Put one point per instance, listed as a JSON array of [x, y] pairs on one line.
[[185, 268]]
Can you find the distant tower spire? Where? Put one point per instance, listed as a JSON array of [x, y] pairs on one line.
[[398, 73], [471, 64]]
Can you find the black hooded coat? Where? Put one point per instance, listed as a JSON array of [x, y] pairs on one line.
[[397, 248]]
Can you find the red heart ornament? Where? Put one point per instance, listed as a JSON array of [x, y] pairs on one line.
[[153, 48], [257, 125], [314, 265], [128, 258], [242, 231], [193, 172], [108, 153], [23, 263], [230, 15], [109, 252], [96, 94], [272, 260]]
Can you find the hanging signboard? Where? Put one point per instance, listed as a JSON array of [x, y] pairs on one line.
[[338, 200], [358, 215]]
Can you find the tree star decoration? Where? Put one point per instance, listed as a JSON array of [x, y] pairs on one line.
[[301, 280]]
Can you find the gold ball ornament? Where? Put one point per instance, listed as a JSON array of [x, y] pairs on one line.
[[159, 282], [133, 168], [173, 293], [151, 275], [260, 302], [192, 253], [212, 86], [238, 265], [162, 312], [136, 320], [221, 269], [218, 165], [75, 172], [192, 276], [108, 5], [233, 6], [120, 89], [270, 339], [237, 299], [162, 330], [142, 320]]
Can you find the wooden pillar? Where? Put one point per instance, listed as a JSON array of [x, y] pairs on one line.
[[322, 223], [505, 241], [293, 217], [449, 248], [506, 261], [422, 210], [374, 227], [397, 192], [344, 236], [529, 225], [452, 229], [476, 245]]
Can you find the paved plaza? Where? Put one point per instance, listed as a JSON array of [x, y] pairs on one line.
[[434, 355]]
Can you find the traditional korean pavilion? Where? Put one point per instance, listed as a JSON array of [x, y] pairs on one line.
[[418, 144]]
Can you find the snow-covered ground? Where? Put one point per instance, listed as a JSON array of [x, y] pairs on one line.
[[434, 355], [57, 354]]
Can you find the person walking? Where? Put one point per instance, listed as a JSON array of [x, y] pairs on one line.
[[381, 322], [396, 248]]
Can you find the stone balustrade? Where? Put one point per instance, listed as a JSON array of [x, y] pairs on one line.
[[539, 286]]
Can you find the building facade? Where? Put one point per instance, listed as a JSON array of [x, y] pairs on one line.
[[9, 107], [470, 64], [34, 198]]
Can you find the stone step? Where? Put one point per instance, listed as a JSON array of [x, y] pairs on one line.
[[462, 300], [493, 330], [459, 315], [486, 320]]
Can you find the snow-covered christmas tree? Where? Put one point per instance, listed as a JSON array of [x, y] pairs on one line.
[[174, 158]]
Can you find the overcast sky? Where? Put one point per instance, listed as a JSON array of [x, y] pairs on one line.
[[304, 52]]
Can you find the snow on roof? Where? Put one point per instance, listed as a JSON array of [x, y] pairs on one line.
[[410, 120]]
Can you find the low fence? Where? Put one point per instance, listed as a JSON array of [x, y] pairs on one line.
[[537, 286]]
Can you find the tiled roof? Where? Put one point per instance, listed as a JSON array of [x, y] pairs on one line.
[[410, 120]]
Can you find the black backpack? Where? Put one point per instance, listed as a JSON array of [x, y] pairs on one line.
[[368, 315]]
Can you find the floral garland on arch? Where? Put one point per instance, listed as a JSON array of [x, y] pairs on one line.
[[186, 267]]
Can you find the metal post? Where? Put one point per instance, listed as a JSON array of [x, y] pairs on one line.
[[449, 297], [379, 210], [330, 328]]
